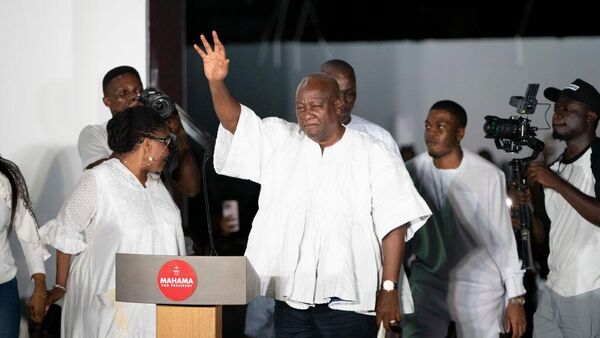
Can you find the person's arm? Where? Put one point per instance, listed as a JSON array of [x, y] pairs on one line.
[[388, 304], [216, 68], [35, 254], [587, 206], [37, 300], [63, 262], [187, 174], [64, 232]]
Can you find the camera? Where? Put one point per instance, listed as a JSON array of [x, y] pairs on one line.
[[513, 133], [158, 101]]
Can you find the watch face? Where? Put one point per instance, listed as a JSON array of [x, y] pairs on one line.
[[388, 285]]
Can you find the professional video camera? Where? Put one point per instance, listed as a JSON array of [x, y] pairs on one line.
[[511, 135], [158, 101], [515, 132]]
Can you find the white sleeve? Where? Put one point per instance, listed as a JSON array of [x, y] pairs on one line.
[[242, 154], [91, 146], [27, 232], [503, 247], [395, 199], [65, 231]]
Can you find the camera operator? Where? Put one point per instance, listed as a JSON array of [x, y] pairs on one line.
[[122, 89], [570, 303]]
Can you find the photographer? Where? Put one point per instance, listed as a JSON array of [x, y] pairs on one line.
[[570, 304], [122, 89]]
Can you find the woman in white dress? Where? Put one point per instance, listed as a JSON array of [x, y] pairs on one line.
[[119, 206], [16, 214]]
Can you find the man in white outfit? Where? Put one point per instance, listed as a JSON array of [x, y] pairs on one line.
[[466, 266], [335, 208], [259, 313]]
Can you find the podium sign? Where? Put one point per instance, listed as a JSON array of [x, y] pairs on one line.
[[188, 290]]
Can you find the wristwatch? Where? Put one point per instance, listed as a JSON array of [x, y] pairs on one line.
[[389, 285], [520, 300]]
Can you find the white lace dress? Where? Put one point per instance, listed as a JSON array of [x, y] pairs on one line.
[[110, 212]]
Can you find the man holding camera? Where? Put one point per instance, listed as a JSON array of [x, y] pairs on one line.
[[466, 268], [122, 88], [570, 304]]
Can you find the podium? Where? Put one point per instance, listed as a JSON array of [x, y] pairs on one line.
[[188, 290]]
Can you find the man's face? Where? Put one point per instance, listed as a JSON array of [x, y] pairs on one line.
[[123, 92], [442, 134], [347, 84], [317, 110], [570, 119]]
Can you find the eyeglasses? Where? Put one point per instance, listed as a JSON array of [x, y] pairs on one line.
[[168, 141]]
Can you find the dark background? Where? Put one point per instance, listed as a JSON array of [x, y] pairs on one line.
[[375, 20]]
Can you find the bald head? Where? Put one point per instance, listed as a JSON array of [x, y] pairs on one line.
[[343, 73], [325, 83]]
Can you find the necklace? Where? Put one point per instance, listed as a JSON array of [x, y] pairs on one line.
[[560, 171]]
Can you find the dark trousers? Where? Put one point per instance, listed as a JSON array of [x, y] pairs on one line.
[[321, 321], [10, 316]]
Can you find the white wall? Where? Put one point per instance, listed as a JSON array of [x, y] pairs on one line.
[[399, 81], [54, 55]]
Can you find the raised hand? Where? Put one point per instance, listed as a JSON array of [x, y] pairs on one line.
[[216, 63]]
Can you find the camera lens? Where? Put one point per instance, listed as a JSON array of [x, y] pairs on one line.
[[496, 127]]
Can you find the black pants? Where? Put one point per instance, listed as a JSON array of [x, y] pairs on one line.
[[321, 321]]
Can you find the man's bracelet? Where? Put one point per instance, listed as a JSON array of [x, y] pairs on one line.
[[60, 287], [520, 300]]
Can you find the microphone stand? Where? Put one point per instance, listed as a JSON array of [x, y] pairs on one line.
[[207, 141], [213, 251]]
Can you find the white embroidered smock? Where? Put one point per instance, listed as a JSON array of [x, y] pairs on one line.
[[322, 216], [111, 212]]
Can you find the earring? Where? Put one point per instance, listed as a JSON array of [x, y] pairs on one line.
[[150, 159]]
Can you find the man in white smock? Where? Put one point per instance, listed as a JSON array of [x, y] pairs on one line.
[[466, 266], [259, 313], [335, 208]]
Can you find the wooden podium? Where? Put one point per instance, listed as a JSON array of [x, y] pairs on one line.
[[188, 290]]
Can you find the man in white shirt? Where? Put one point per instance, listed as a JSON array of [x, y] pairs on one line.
[[570, 303], [259, 312], [466, 267], [122, 88], [328, 239], [344, 74]]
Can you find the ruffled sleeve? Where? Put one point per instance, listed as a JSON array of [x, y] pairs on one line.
[[65, 232], [27, 232]]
